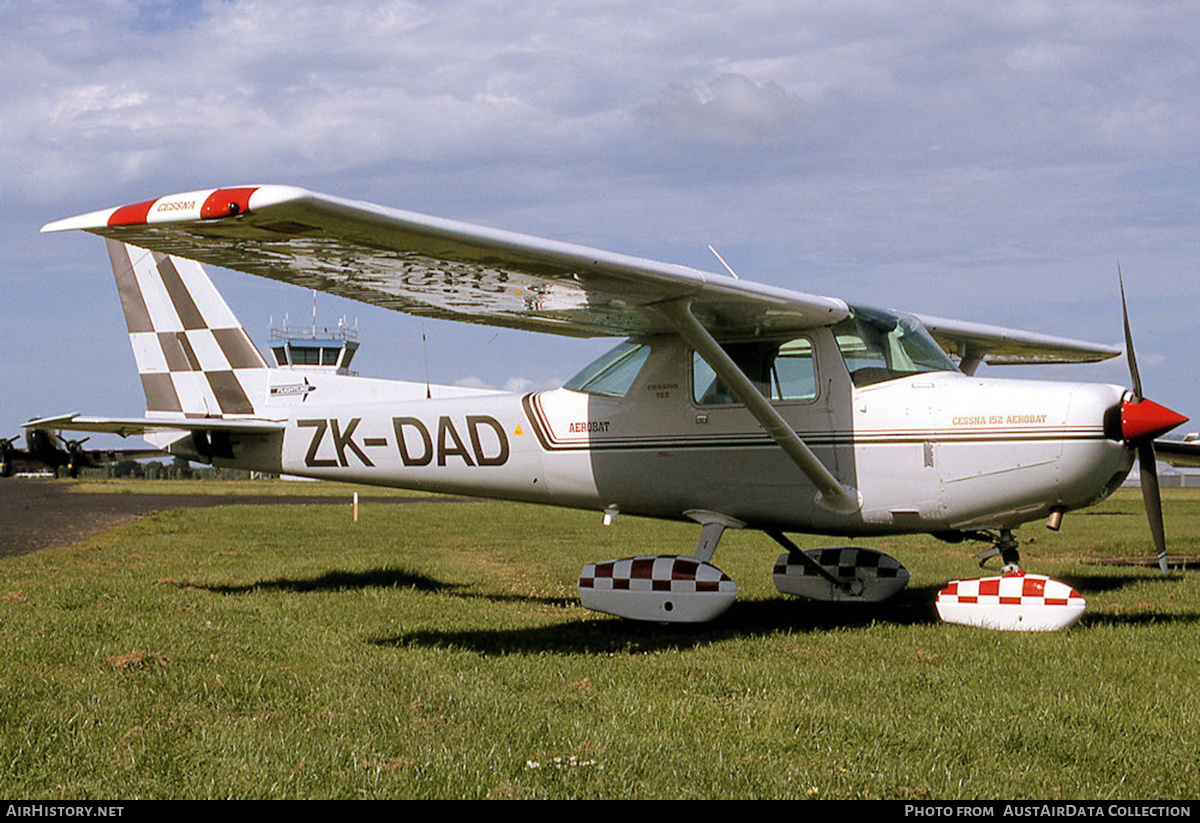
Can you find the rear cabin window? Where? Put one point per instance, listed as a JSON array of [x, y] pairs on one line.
[[781, 369]]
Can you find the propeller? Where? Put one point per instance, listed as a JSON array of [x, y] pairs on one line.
[[74, 450], [72, 445], [6, 454], [1143, 420]]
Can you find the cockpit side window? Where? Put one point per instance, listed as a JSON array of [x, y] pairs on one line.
[[879, 346], [612, 374], [781, 369]]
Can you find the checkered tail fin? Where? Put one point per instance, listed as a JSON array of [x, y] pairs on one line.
[[194, 357]]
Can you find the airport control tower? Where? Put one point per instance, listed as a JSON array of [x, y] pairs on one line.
[[314, 348]]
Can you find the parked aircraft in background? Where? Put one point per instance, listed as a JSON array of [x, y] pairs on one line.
[[731, 404], [43, 453]]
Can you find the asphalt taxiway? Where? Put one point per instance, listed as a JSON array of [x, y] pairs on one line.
[[39, 514]]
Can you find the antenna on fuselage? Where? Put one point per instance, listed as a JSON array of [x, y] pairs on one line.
[[723, 263]]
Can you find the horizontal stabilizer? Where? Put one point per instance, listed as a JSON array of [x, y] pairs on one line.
[[126, 426]]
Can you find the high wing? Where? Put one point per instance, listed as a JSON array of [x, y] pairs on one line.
[[441, 268], [1180, 453], [998, 346]]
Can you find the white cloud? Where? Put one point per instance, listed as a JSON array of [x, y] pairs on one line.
[[730, 108]]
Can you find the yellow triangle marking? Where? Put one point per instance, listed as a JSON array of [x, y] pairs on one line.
[[518, 431]]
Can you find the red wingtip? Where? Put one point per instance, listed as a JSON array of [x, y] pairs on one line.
[[132, 215], [1147, 419]]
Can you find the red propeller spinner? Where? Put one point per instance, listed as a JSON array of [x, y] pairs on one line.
[[1146, 419]]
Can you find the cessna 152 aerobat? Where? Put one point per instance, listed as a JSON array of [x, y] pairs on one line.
[[731, 404]]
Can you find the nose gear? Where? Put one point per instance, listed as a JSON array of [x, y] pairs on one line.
[[1004, 545]]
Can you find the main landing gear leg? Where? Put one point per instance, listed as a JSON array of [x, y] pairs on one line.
[[837, 573], [796, 556], [710, 536]]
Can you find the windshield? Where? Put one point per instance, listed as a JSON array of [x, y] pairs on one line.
[[879, 345], [613, 372]]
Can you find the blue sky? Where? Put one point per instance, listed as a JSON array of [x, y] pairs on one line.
[[989, 162]]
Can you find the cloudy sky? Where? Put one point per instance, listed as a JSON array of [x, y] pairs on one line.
[[988, 162]]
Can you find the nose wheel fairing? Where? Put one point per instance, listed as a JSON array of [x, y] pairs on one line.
[[1015, 601]]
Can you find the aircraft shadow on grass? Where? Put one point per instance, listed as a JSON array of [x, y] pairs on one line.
[[333, 581], [913, 607], [1088, 585], [604, 635]]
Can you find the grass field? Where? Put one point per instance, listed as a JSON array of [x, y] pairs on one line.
[[438, 651]]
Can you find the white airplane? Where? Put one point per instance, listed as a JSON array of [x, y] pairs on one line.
[[731, 404]]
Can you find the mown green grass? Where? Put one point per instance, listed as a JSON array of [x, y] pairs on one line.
[[438, 651]]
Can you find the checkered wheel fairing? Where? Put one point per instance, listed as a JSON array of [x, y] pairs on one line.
[[659, 573], [1013, 602], [844, 563], [1018, 589], [862, 575], [660, 588]]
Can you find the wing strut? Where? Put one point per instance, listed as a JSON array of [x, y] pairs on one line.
[[831, 494]]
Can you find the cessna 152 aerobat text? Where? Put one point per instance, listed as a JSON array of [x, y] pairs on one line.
[[731, 404]]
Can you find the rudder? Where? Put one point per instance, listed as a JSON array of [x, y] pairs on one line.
[[193, 356]]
